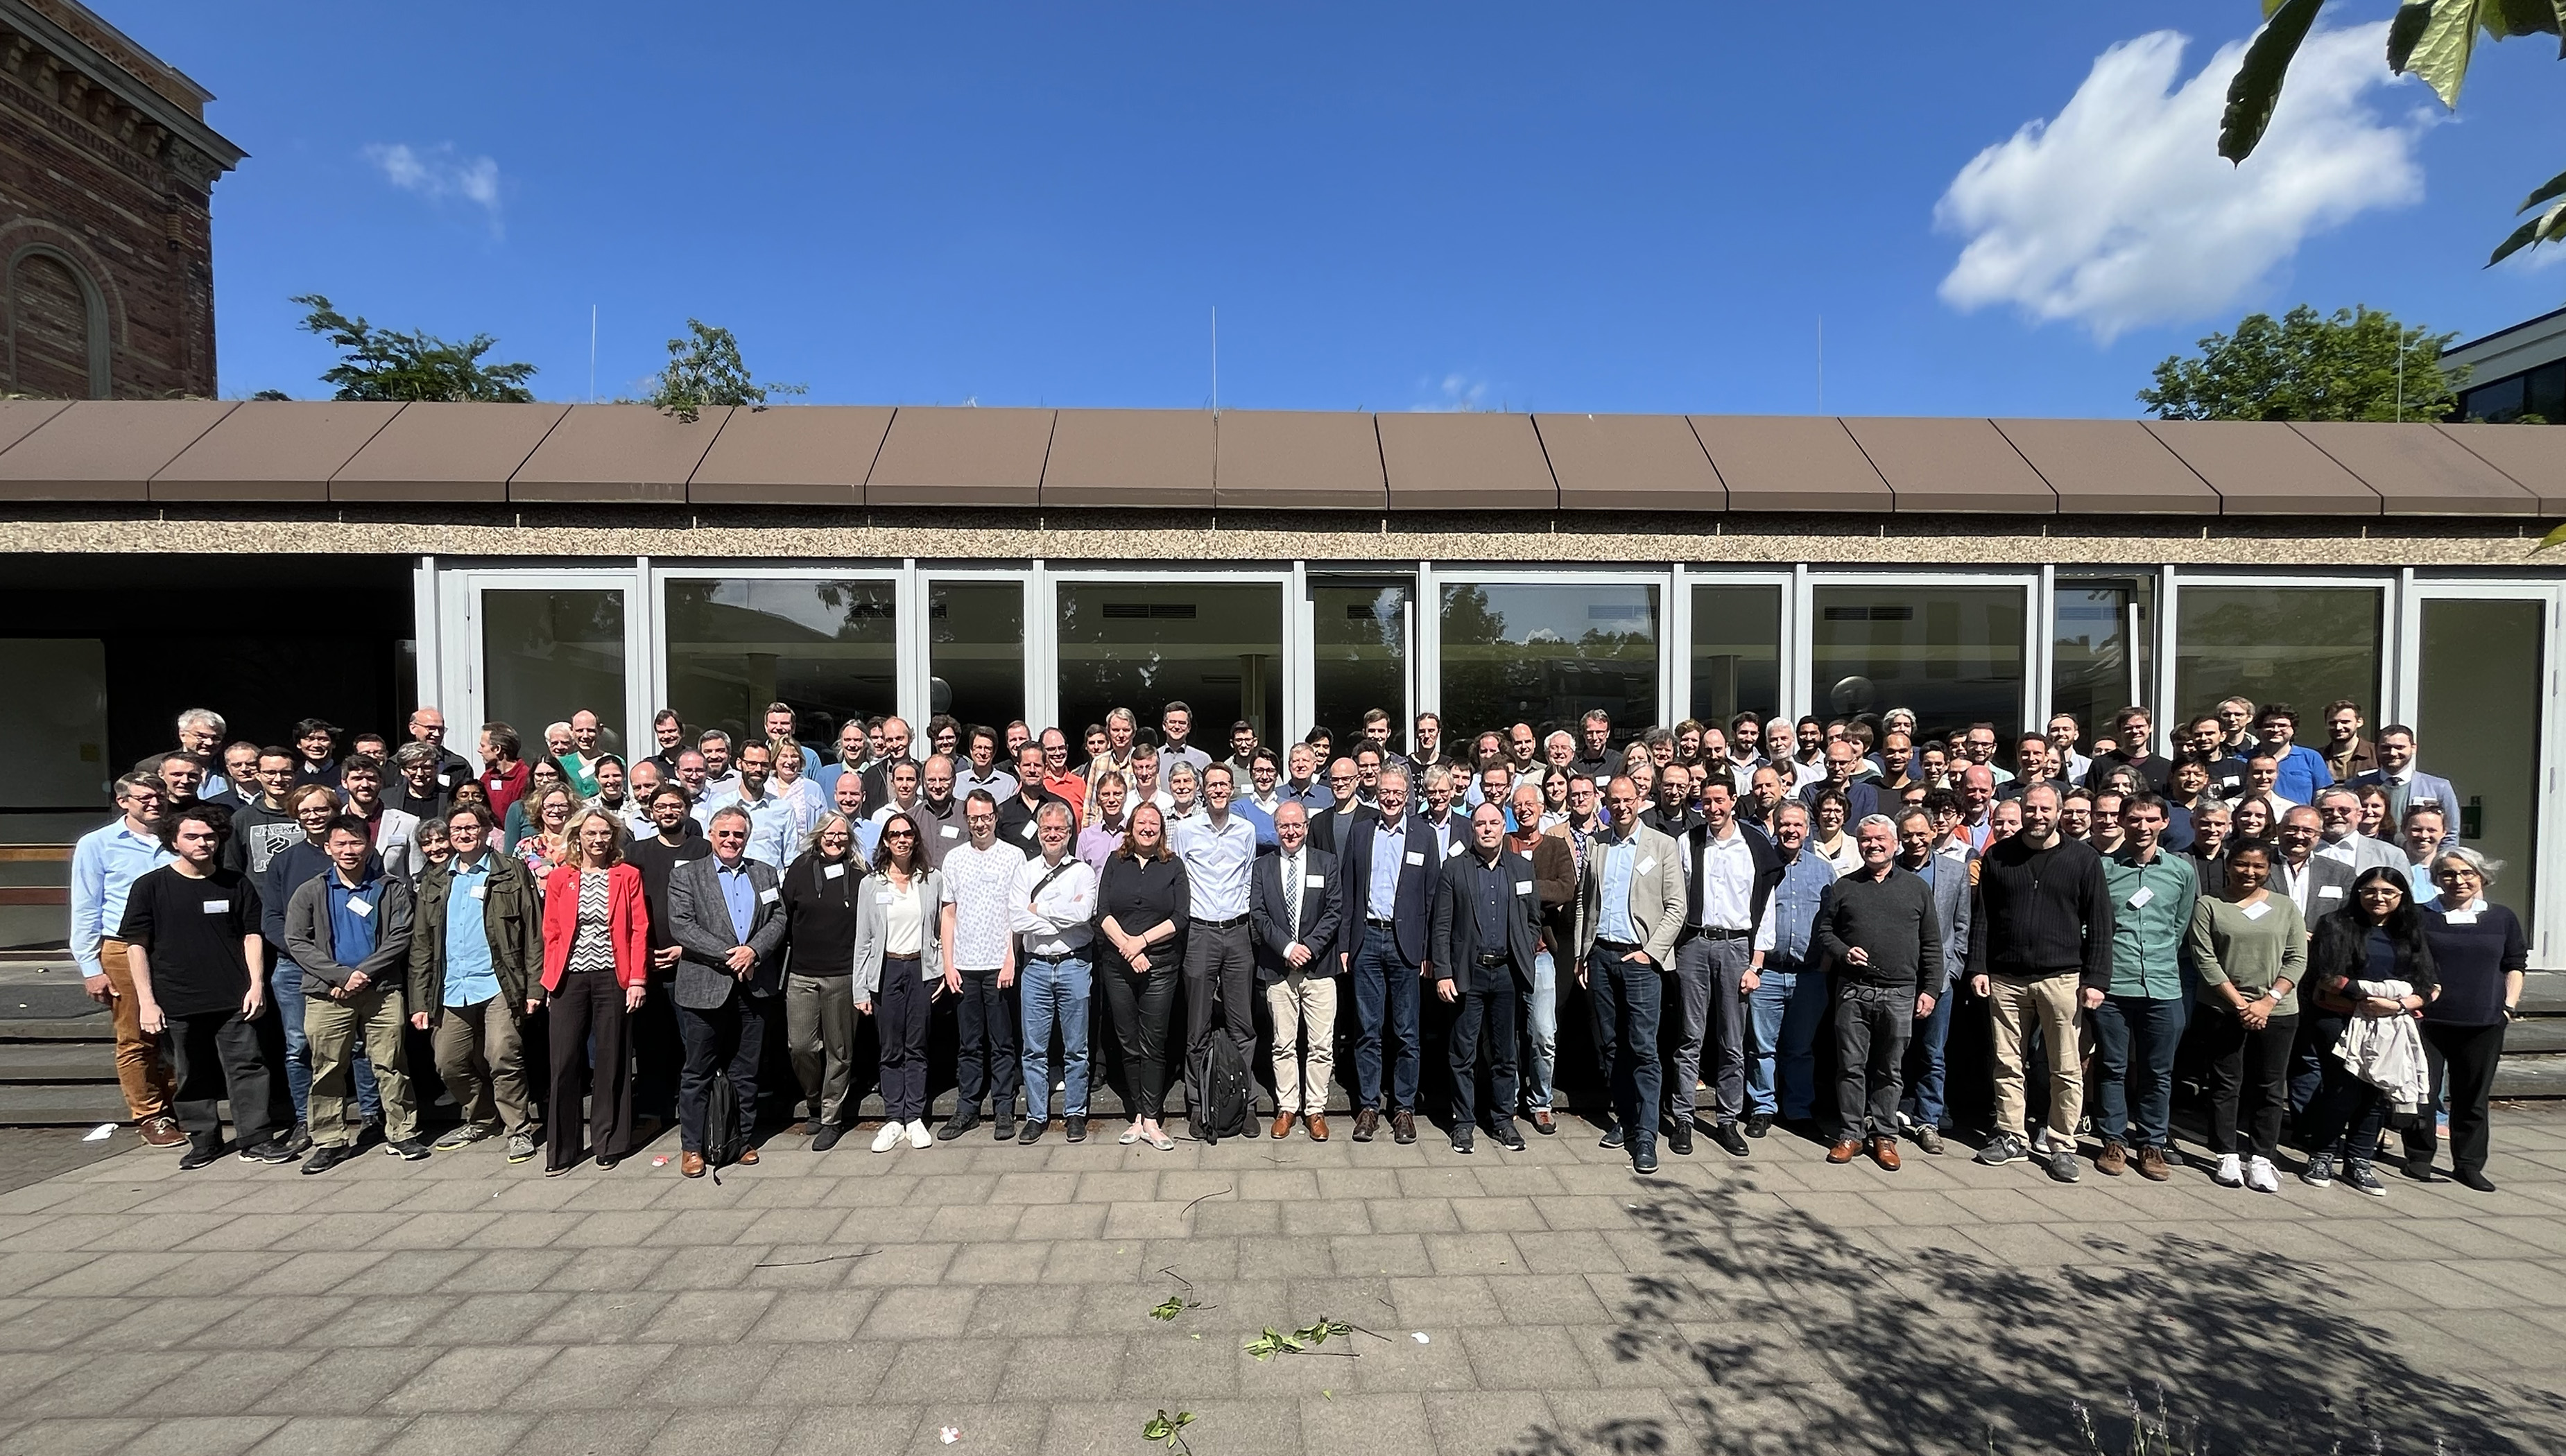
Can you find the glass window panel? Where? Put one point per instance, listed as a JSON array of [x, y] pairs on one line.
[[57, 735], [2097, 653], [2546, 393], [546, 654], [2497, 402], [975, 652], [736, 644], [1950, 654], [1359, 639], [2301, 645], [2477, 724], [1216, 647], [1547, 654], [1736, 652]]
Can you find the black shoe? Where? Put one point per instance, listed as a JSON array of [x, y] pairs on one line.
[[1612, 1136], [1076, 1132], [1004, 1130], [1644, 1160], [2475, 1180], [957, 1124], [300, 1142], [812, 1127], [1727, 1135], [1758, 1123], [1510, 1138], [1461, 1140], [826, 1138], [407, 1149], [274, 1151], [1255, 1124], [198, 1155], [2419, 1168], [322, 1159], [1679, 1138], [1033, 1129]]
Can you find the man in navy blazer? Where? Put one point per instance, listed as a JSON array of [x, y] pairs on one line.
[[2405, 784], [1391, 861], [1295, 911]]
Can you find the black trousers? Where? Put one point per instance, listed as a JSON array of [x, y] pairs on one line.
[[989, 1064], [731, 1033], [1485, 1029], [1221, 975], [590, 1022], [2249, 1078], [1142, 1006], [658, 1052], [2463, 1060], [903, 1011], [214, 1055], [1872, 1024]]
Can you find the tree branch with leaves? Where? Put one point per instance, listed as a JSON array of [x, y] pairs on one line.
[[2359, 364], [706, 370], [387, 363]]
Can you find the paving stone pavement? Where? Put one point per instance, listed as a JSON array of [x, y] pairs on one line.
[[852, 1303]]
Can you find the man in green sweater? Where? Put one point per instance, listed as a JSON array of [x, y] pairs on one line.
[[2141, 1016]]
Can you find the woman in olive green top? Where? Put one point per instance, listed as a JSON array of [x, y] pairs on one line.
[[2250, 947]]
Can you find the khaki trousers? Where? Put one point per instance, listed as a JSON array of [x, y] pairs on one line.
[[141, 1070], [1303, 1000], [332, 1029], [481, 1054], [2054, 1003]]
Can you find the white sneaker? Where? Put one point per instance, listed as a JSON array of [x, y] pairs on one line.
[[2262, 1177], [888, 1137], [2230, 1172], [918, 1137]]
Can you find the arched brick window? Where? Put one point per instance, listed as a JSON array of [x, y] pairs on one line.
[[58, 327]]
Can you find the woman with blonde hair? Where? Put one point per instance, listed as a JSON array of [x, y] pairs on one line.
[[548, 845], [1141, 913], [596, 968]]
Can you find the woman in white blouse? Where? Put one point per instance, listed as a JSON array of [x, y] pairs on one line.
[[899, 973]]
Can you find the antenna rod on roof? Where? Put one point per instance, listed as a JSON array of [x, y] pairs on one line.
[[1822, 364], [592, 354], [1215, 360]]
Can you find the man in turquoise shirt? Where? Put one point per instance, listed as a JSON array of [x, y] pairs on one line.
[[2140, 1019]]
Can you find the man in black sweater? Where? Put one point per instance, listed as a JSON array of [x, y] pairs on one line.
[[2040, 948], [1879, 933]]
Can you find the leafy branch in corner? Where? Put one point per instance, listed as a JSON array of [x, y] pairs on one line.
[[1309, 1339], [1168, 1430]]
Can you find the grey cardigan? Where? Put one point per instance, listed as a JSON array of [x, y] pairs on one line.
[[873, 930]]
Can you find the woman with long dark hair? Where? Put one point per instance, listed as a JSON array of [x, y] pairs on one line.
[[2479, 953], [1141, 905], [899, 968], [2367, 965], [2251, 951]]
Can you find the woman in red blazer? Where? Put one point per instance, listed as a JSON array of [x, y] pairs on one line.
[[597, 967]]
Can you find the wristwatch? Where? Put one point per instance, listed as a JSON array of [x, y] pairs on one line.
[[2512, 1013]]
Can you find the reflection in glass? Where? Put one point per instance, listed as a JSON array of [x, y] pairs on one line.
[[547, 654], [1951, 654], [1218, 649], [2301, 645], [1546, 654], [1736, 652], [975, 652], [2477, 724], [2099, 660], [736, 644], [1358, 633]]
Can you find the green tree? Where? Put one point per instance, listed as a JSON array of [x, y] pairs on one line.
[[704, 369], [2433, 39], [2303, 366], [385, 363]]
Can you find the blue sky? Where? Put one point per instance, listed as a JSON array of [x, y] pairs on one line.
[[1404, 207]]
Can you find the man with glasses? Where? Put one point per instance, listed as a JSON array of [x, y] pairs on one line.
[[1978, 747], [981, 771], [2302, 770], [2340, 837], [1059, 780], [1218, 848], [726, 915], [1329, 830], [105, 865], [979, 949], [2133, 733], [475, 962], [1055, 901], [1389, 862]]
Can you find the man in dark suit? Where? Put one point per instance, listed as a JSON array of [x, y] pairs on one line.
[[1390, 864], [727, 916], [1483, 948], [1296, 908]]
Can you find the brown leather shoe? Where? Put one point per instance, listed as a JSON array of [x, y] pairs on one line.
[[1845, 1150], [2114, 1159], [2153, 1166], [161, 1131], [1282, 1126], [1366, 1123], [748, 1157], [691, 1165], [1317, 1123], [1402, 1125], [1883, 1151]]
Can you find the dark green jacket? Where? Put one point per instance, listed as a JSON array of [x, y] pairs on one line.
[[511, 913]]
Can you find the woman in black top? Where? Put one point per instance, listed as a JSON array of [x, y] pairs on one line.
[[1140, 903], [819, 892], [2479, 952], [2376, 936]]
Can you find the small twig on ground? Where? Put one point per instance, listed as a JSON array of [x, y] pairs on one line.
[[1189, 1207], [823, 1259]]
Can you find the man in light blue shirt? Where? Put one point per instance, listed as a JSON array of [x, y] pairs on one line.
[[1787, 990], [104, 867], [770, 815]]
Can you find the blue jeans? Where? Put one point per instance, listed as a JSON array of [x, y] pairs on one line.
[[1053, 993], [1786, 1010], [1540, 1032], [2134, 1039], [1924, 1064], [285, 987], [1386, 989], [1629, 998]]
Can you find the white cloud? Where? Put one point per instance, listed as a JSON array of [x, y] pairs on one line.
[[438, 175], [2120, 213], [1453, 393]]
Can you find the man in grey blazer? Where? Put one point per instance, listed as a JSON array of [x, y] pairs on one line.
[[1631, 898], [726, 915], [1296, 906]]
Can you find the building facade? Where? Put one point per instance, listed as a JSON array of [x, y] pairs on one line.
[[2514, 373], [106, 170]]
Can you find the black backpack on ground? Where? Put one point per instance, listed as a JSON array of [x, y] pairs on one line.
[[722, 1143], [1216, 1085]]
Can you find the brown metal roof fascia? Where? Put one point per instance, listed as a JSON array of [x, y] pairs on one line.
[[962, 456], [1465, 462], [792, 455], [1131, 457], [273, 451], [446, 450], [1946, 464], [1630, 462], [2109, 467], [1791, 462], [2417, 470], [2531, 456], [104, 449], [617, 453], [1300, 460], [2260, 468], [20, 418]]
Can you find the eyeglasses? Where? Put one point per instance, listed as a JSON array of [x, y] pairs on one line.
[[899, 834]]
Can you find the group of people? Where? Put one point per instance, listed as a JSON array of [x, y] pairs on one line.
[[1733, 906]]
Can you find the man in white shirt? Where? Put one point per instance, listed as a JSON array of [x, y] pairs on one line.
[[980, 769], [1728, 876], [903, 780], [979, 945], [1055, 904], [1218, 848]]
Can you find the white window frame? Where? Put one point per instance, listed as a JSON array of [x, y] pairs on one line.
[[1047, 584], [1435, 576], [2392, 639], [1301, 641], [905, 609], [2033, 584], [1787, 666], [918, 666], [459, 671]]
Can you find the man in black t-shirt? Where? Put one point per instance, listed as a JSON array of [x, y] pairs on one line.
[[193, 929], [656, 1048]]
